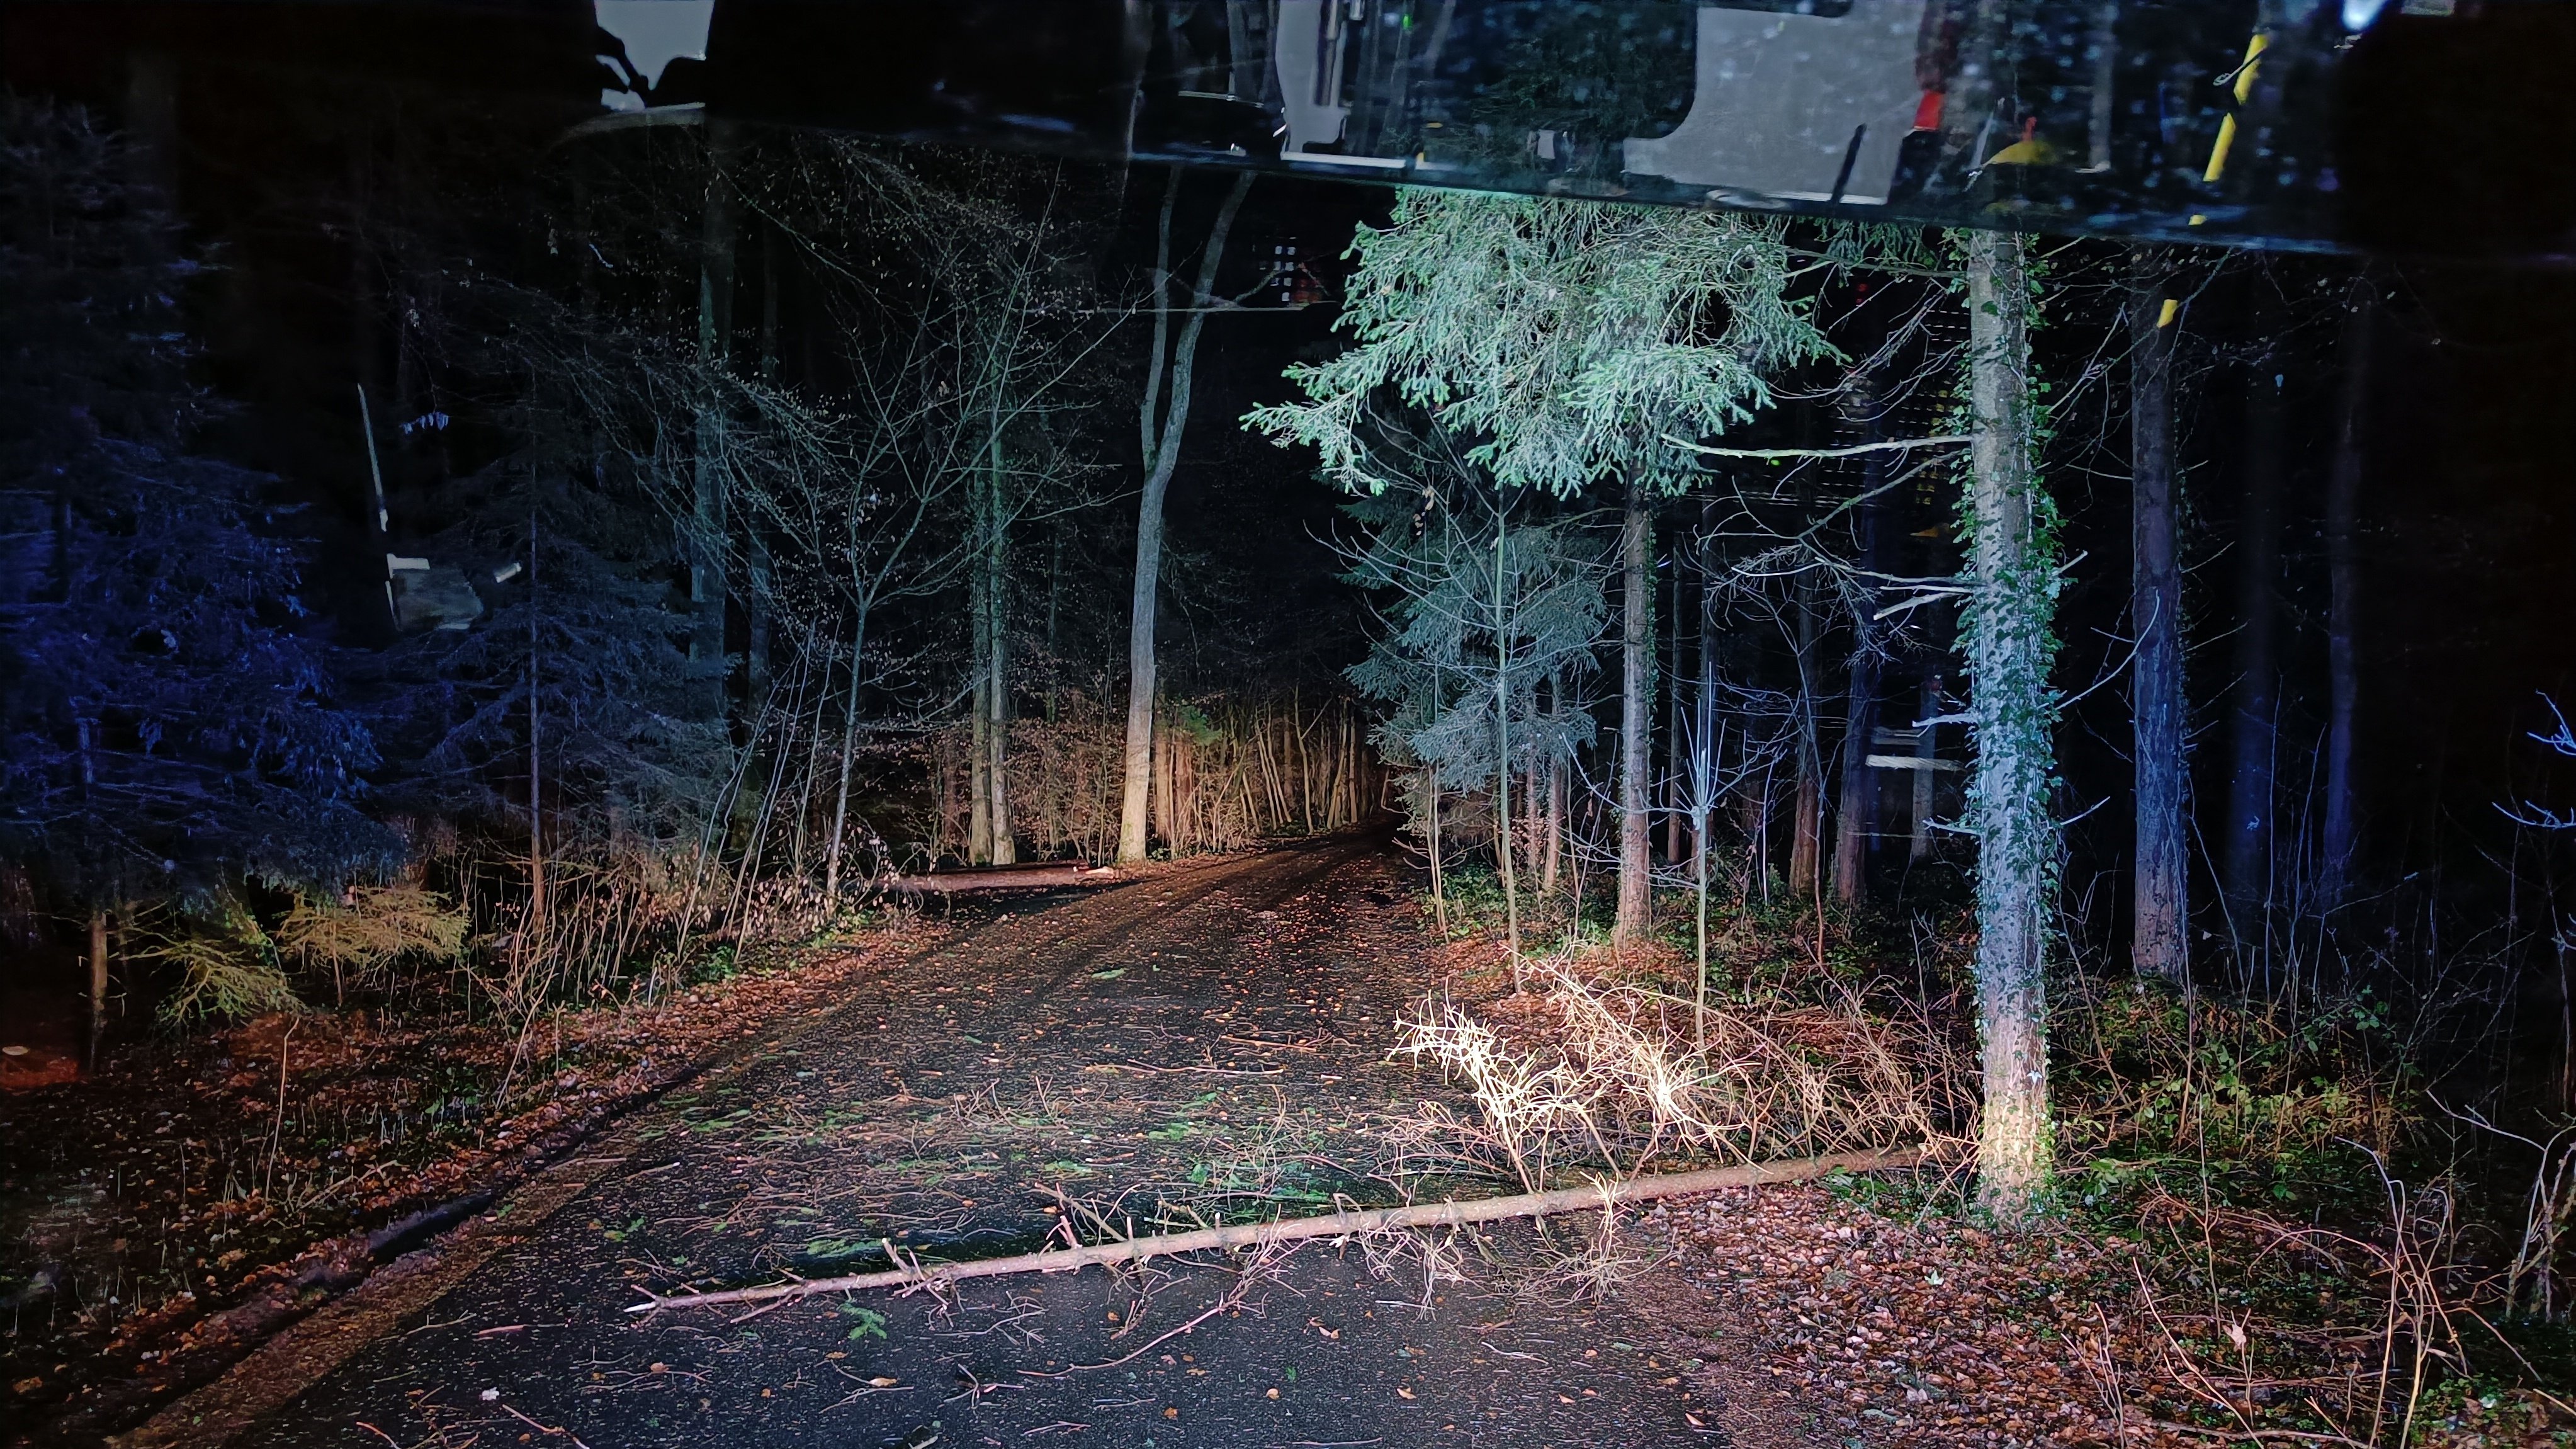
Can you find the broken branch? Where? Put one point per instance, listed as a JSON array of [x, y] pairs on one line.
[[1246, 1235], [1048, 875]]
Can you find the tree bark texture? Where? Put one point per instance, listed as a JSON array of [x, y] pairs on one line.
[[97, 983], [849, 755], [2158, 939], [2343, 572], [762, 584], [988, 820], [1636, 716], [997, 684], [1161, 425], [536, 925], [1674, 674], [2005, 631], [1432, 1215], [2246, 861]]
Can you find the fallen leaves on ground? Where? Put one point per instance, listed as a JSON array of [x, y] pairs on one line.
[[1844, 1325], [165, 1216]]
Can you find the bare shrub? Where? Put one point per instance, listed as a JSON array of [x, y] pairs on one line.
[[2402, 1302], [1627, 1073], [1592, 1267], [1531, 1103]]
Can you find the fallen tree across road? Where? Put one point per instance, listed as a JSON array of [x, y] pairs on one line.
[[1045, 876], [1248, 1235]]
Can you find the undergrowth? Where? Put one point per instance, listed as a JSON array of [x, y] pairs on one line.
[[2319, 1250]]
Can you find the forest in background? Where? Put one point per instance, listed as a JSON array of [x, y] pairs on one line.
[[751, 536], [761, 514]]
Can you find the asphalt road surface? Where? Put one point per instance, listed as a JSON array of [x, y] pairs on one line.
[[1208, 1041]]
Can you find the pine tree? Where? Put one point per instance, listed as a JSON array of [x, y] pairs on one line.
[[171, 721], [1572, 345], [1485, 610]]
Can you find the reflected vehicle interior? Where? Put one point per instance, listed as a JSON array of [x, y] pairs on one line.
[[2393, 124]]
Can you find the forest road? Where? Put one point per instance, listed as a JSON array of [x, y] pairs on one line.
[[1210, 1039]]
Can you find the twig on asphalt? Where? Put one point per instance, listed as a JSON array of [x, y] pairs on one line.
[[542, 1429], [1207, 1071]]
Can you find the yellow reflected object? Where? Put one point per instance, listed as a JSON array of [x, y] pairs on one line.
[[2244, 87]]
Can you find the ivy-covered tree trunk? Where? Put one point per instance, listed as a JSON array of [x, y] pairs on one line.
[[2158, 942], [2005, 632], [1636, 706]]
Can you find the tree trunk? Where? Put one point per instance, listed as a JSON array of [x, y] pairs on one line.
[[988, 826], [997, 682], [762, 568], [1855, 816], [2343, 571], [1503, 733], [1704, 766], [2005, 629], [2247, 858], [536, 923], [1636, 705], [1054, 613], [715, 332], [1804, 829], [1552, 838], [1439, 896], [1596, 1196], [2158, 941], [1674, 673], [97, 984], [979, 674], [1927, 748], [1162, 453], [849, 755]]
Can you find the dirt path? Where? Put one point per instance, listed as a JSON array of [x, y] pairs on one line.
[[1213, 1036]]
